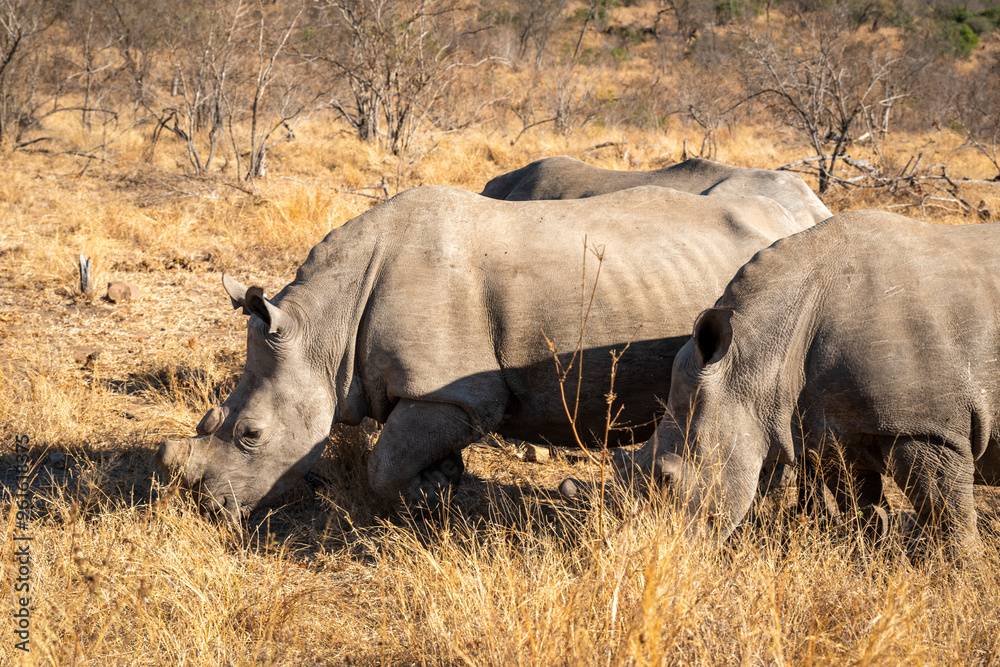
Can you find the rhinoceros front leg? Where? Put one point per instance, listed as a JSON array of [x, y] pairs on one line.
[[860, 499], [419, 452], [938, 480]]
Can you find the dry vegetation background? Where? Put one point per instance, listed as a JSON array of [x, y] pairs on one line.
[[171, 141]]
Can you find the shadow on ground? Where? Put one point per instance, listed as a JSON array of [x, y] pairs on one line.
[[96, 480], [334, 511]]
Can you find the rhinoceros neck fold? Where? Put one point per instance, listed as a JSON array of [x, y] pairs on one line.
[[329, 295], [792, 327]]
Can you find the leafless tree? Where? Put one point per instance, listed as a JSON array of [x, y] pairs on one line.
[[824, 81], [686, 18], [711, 97], [526, 26], [276, 97], [95, 62], [397, 57], [25, 62], [137, 29], [201, 56], [978, 109], [228, 87]]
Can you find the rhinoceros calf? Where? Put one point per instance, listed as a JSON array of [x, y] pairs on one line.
[[870, 337], [430, 314], [567, 178]]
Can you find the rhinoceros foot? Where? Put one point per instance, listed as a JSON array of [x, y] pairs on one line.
[[432, 487]]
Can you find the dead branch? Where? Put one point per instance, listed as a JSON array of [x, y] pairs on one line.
[[352, 191], [934, 187]]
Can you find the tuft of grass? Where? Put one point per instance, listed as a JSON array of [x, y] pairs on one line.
[[154, 583]]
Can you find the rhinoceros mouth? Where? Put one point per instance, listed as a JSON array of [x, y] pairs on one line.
[[212, 509], [217, 506]]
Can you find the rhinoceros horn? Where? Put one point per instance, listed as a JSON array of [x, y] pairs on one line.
[[253, 302], [212, 420], [668, 471], [680, 479]]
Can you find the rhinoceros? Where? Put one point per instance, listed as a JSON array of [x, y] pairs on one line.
[[563, 177], [431, 314], [871, 343], [567, 178]]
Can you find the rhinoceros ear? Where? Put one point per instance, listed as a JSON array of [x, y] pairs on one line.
[[237, 293], [253, 302], [270, 314], [713, 333]]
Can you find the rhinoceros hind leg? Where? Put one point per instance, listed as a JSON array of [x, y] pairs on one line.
[[873, 521], [868, 507], [418, 455], [938, 482]]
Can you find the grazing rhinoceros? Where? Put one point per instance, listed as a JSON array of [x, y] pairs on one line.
[[870, 339], [567, 178], [430, 314]]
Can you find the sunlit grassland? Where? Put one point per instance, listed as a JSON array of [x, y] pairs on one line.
[[126, 572]]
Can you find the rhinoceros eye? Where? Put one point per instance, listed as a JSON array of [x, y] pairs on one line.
[[248, 434]]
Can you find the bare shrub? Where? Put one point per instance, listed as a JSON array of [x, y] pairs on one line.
[[397, 57], [979, 113], [27, 71], [823, 81], [226, 88]]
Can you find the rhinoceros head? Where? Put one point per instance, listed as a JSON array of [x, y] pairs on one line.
[[708, 450], [271, 429]]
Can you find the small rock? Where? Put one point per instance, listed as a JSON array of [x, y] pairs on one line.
[[122, 291], [82, 354], [536, 453], [57, 460], [569, 488]]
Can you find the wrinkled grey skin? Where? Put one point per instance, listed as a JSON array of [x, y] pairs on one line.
[[427, 314], [870, 330], [568, 178]]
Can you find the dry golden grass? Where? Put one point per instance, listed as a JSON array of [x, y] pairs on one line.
[[128, 573]]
